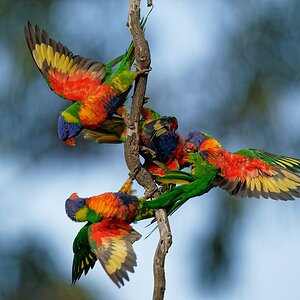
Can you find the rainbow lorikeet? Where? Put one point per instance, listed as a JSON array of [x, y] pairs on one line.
[[159, 139], [97, 92], [246, 173], [107, 235]]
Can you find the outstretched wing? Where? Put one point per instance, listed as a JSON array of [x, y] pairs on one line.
[[254, 173], [72, 77], [111, 240], [84, 259], [285, 162]]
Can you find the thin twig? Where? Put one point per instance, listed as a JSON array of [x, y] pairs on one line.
[[131, 147]]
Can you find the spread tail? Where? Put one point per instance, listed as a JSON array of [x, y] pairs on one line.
[[129, 56]]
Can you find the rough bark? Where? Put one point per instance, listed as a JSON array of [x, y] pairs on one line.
[[131, 147]]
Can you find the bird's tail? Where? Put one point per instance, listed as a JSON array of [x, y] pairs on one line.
[[129, 56]]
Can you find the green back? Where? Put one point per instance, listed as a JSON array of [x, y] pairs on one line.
[[204, 175]]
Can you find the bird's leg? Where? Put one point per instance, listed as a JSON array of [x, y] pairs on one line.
[[122, 111], [134, 172], [145, 100], [141, 71], [147, 150], [127, 186]]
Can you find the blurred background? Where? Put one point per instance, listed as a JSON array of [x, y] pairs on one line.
[[230, 68]]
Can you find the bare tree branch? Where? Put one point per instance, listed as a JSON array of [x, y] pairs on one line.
[[162, 249], [131, 147], [143, 61]]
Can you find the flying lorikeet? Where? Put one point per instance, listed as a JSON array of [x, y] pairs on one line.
[[159, 139], [246, 173], [107, 235], [97, 91]]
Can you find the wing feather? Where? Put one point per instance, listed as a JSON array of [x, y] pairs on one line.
[[254, 173], [84, 259], [72, 77], [111, 240]]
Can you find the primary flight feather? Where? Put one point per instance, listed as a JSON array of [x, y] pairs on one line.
[[97, 92]]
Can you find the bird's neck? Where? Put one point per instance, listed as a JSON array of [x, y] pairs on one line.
[[202, 168], [209, 149], [81, 214], [71, 114]]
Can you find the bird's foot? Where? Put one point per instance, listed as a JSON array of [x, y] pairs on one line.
[[122, 111], [134, 172], [145, 100], [147, 150], [141, 71]]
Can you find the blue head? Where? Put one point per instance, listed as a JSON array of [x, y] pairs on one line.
[[67, 131], [76, 208], [194, 140]]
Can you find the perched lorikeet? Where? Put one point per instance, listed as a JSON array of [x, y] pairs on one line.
[[107, 235], [159, 139], [246, 173], [97, 92]]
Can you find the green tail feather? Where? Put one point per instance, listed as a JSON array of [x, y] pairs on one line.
[[109, 65], [129, 56], [170, 201]]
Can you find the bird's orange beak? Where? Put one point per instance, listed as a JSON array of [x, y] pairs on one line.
[[70, 142], [73, 196]]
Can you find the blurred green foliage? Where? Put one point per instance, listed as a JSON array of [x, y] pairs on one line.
[[31, 274]]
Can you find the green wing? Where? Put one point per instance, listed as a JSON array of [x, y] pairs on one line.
[[285, 162], [84, 259], [109, 65], [255, 173]]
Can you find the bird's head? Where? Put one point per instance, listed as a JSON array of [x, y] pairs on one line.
[[194, 140], [202, 143], [76, 208], [67, 131]]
